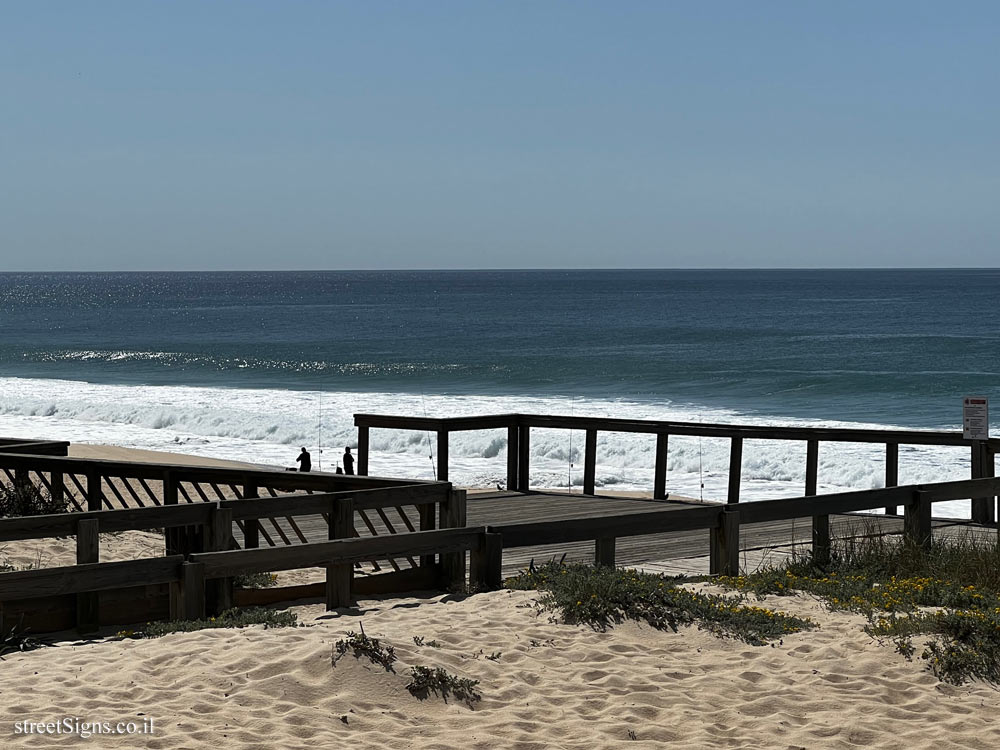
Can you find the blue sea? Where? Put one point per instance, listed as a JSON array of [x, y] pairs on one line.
[[250, 366]]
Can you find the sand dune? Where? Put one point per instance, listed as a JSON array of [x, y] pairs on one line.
[[552, 685]]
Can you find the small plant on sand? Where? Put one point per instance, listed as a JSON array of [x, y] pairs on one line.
[[231, 618], [420, 641], [17, 639], [26, 499], [255, 580], [362, 645], [893, 584], [425, 680], [601, 596]]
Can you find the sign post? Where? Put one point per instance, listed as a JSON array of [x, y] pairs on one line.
[[976, 427], [976, 418]]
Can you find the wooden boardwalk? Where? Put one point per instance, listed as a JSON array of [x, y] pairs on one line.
[[682, 552]]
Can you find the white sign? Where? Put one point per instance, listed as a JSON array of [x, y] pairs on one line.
[[976, 418]]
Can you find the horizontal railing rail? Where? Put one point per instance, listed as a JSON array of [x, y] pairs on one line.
[[188, 514]]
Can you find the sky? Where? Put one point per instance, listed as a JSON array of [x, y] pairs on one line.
[[518, 134]]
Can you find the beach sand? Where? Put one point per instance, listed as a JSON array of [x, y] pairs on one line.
[[550, 685]]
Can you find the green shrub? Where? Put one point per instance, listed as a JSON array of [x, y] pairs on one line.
[[600, 596], [362, 645], [425, 680], [17, 639], [231, 618], [26, 499], [255, 580], [893, 584]]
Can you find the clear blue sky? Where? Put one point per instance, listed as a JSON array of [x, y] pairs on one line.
[[291, 135]]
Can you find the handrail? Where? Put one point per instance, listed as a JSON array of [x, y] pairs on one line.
[[189, 514], [650, 426], [187, 472]]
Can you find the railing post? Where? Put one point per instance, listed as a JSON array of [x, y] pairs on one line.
[[724, 556], [512, 457], [58, 481], [604, 552], [88, 618], [363, 435], [589, 463], [523, 458], [917, 520], [486, 562], [426, 513], [735, 469], [453, 516], [821, 539], [891, 472], [217, 537], [94, 493], [442, 458], [981, 510], [812, 467], [192, 591], [339, 578], [251, 526], [660, 472]]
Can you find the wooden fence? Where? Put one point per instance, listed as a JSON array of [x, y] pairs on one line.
[[136, 588], [518, 426], [200, 582]]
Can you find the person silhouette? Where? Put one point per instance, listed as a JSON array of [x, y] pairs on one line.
[[348, 461], [305, 460]]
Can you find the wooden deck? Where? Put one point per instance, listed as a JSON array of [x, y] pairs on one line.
[[683, 552]]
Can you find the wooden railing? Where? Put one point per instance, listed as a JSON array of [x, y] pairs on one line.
[[201, 581], [518, 426], [209, 526], [93, 485]]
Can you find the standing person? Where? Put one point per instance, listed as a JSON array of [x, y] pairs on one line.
[[348, 461], [305, 460]]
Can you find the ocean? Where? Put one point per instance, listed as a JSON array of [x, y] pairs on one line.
[[250, 366]]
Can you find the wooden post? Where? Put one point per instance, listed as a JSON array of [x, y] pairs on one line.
[[251, 526], [604, 552], [812, 466], [173, 537], [339, 578], [891, 473], [58, 481], [193, 590], [88, 618], [981, 511], [512, 457], [94, 494], [486, 563], [821, 539], [917, 520], [363, 435], [426, 514], [218, 535], [735, 469], [442, 459], [589, 463], [660, 472], [724, 556], [453, 516], [523, 458]]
